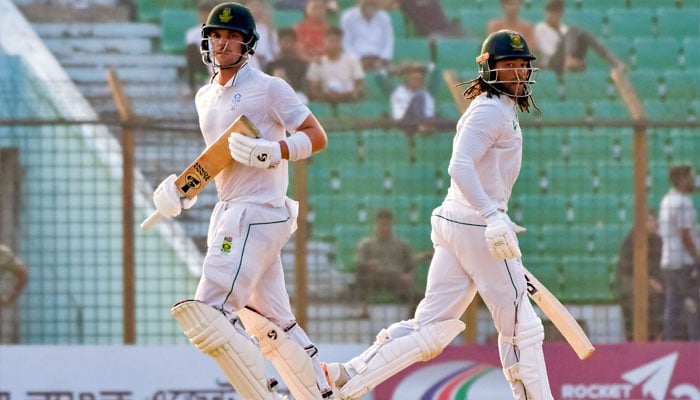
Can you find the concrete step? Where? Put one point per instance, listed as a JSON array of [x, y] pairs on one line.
[[62, 30], [101, 45], [123, 60]]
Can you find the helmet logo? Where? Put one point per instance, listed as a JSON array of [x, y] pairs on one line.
[[516, 41], [225, 15]]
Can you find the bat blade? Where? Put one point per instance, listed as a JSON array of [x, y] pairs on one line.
[[207, 165], [560, 317]]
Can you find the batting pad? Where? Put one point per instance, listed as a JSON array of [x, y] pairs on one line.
[[390, 355], [237, 356], [291, 361]]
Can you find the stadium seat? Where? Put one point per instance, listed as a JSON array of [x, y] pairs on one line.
[[677, 23], [412, 48], [474, 21], [625, 22], [405, 208], [620, 46], [590, 19], [615, 177], [564, 239], [322, 179], [570, 178], [546, 268], [609, 237], [415, 179], [589, 85], [662, 53], [553, 208], [548, 86], [589, 145], [690, 59], [609, 110], [321, 109], [681, 85], [569, 110], [384, 146], [435, 149], [174, 23], [363, 109], [417, 236], [378, 87], [359, 179], [646, 82], [456, 52], [347, 238], [672, 109], [342, 148], [587, 280], [601, 208], [331, 210], [531, 180], [399, 23], [543, 146], [285, 18]]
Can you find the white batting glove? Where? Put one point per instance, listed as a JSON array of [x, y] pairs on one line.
[[255, 152], [167, 199], [500, 236]]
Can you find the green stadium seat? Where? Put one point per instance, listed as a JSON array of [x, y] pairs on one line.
[[686, 145], [601, 208], [609, 110], [547, 269], [426, 204], [347, 238], [417, 236], [609, 238], [599, 4], [646, 82], [365, 109], [589, 85], [174, 23], [543, 145], [625, 22], [553, 208], [322, 110], [667, 110], [681, 85], [378, 87], [589, 19], [531, 180], [589, 145], [415, 179], [405, 208], [399, 23], [435, 149], [690, 59], [548, 85], [285, 18], [564, 239], [570, 177], [619, 45], [456, 53], [474, 21], [659, 53], [322, 179], [677, 23], [362, 179], [569, 110], [330, 210], [447, 109], [412, 48], [149, 10], [587, 280], [615, 177], [389, 146], [342, 149]]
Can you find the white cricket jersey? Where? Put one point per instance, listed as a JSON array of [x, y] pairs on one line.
[[273, 107], [486, 154], [675, 213]]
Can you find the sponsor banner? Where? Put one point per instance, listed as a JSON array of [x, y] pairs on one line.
[[653, 371]]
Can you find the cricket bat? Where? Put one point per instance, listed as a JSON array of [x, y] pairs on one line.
[[207, 165], [560, 316]]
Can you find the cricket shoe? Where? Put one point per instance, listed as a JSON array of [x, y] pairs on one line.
[[336, 376]]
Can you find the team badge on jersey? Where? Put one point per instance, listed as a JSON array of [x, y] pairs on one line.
[[235, 101], [226, 244]]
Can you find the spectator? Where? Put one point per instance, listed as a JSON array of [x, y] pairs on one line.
[[563, 48], [267, 47], [288, 65], [13, 279], [197, 71], [511, 20], [680, 256], [412, 105], [337, 77], [625, 281], [429, 19], [368, 34], [385, 263], [331, 5], [312, 30]]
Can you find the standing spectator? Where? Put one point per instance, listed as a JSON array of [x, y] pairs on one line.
[[384, 262], [13, 279], [242, 275], [625, 280], [511, 20], [476, 249], [311, 32], [680, 256], [267, 47], [412, 105], [337, 77], [288, 65], [563, 48], [197, 71], [368, 34]]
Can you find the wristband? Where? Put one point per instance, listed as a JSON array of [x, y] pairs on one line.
[[299, 146]]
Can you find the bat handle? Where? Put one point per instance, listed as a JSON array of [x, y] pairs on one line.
[[150, 221]]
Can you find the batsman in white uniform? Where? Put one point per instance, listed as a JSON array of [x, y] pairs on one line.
[[242, 277], [476, 249]]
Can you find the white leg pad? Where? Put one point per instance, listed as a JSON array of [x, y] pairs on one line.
[[388, 355], [291, 360], [528, 377], [237, 356]]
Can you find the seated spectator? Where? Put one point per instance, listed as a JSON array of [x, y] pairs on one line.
[[13, 280], [511, 20], [311, 32], [197, 71], [563, 48], [412, 105], [337, 77], [267, 47], [288, 65], [384, 263], [429, 18], [331, 5], [368, 34]]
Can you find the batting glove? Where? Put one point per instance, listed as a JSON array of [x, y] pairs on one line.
[[167, 199], [255, 152], [500, 236]]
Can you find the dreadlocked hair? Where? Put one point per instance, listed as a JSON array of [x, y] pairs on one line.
[[478, 86]]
